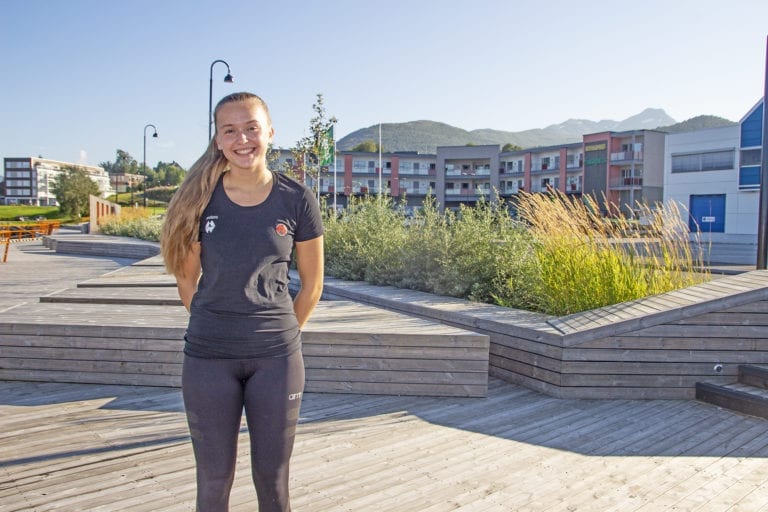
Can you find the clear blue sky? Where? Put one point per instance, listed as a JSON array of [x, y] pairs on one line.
[[81, 78]]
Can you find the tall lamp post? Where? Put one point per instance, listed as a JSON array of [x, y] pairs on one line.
[[228, 79], [154, 129]]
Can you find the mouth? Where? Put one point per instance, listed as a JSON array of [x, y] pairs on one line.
[[245, 151]]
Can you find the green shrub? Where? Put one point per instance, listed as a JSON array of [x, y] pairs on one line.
[[134, 223]]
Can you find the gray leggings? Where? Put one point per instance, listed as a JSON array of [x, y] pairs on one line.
[[215, 392]]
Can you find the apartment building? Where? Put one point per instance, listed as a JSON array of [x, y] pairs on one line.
[[29, 180], [622, 167]]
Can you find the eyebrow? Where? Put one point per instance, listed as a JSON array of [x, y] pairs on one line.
[[254, 121]]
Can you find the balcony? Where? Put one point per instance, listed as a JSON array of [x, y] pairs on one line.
[[545, 170], [417, 172], [413, 191], [466, 192], [627, 156], [468, 173], [572, 188], [626, 182]]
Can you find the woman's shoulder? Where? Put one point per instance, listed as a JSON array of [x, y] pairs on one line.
[[289, 184]]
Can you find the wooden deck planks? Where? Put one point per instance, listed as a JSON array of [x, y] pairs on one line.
[[115, 448]]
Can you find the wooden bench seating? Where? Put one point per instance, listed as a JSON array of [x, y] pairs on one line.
[[127, 328]]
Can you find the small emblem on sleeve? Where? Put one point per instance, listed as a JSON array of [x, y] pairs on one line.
[[210, 226], [281, 229]]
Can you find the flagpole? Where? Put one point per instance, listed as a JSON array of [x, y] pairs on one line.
[[379, 161], [762, 221], [335, 185]]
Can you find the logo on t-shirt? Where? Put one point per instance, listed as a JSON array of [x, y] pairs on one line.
[[281, 229], [210, 226]]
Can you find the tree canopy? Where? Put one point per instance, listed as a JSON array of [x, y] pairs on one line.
[[511, 147], [123, 164], [73, 188], [165, 174], [367, 146], [308, 150]]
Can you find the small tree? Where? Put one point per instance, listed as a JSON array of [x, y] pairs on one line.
[[511, 147], [308, 149], [73, 188]]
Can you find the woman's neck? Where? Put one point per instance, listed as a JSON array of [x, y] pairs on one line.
[[248, 188]]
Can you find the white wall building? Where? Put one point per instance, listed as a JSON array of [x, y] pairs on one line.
[[702, 176], [29, 181]]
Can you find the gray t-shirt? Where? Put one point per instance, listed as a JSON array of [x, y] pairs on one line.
[[242, 308]]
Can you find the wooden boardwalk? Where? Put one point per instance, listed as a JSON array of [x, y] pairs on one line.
[[80, 447]]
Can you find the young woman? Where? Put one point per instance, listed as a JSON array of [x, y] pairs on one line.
[[228, 238]]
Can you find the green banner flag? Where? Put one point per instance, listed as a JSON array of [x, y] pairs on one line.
[[326, 147]]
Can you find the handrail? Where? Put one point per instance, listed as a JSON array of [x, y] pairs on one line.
[[25, 232]]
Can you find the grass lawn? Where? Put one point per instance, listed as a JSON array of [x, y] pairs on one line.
[[14, 212]]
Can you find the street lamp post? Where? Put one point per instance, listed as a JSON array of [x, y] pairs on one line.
[[154, 129], [228, 79]]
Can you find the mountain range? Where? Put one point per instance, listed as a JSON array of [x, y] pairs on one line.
[[425, 136]]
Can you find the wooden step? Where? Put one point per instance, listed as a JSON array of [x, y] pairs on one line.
[[754, 375], [149, 295], [131, 336], [739, 397]]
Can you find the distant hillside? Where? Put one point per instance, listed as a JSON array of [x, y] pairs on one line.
[[697, 123], [425, 136]]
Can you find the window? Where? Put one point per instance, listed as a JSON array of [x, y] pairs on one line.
[[709, 161], [717, 161], [685, 163], [749, 177], [17, 165], [415, 166], [750, 157]]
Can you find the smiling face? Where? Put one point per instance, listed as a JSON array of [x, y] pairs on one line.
[[243, 134]]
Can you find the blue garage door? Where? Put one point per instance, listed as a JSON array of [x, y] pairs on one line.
[[707, 213]]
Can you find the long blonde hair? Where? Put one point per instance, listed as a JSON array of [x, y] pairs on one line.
[[180, 228]]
